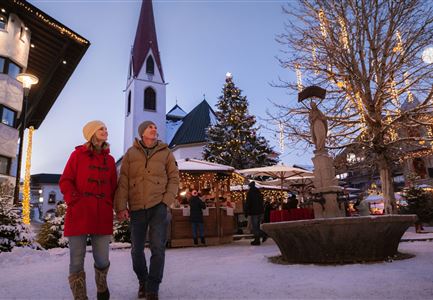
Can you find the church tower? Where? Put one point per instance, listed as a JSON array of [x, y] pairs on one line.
[[145, 89]]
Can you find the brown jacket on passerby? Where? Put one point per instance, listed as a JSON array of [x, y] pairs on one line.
[[147, 177]]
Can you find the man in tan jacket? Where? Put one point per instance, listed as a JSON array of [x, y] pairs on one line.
[[148, 185]]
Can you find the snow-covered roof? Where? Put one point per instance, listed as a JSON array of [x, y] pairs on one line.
[[171, 128], [189, 164], [177, 111], [246, 187]]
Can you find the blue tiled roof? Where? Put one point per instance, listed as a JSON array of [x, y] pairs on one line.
[[193, 128]]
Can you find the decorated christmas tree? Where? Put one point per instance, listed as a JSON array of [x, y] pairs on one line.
[[121, 232], [234, 140], [419, 202], [51, 233], [13, 232]]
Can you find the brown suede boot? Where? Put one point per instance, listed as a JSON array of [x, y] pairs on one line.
[[77, 282], [101, 283], [141, 290]]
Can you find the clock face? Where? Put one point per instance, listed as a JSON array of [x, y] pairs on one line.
[[427, 55]]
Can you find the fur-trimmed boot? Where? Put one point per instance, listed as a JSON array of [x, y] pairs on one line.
[[77, 282], [101, 283]]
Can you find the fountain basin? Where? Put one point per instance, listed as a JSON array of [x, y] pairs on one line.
[[339, 240]]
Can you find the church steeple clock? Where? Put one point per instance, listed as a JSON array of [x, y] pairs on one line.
[[146, 89]]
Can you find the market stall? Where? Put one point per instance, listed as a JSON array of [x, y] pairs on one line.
[[212, 181]]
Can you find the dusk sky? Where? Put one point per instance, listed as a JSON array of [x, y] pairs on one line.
[[199, 42]]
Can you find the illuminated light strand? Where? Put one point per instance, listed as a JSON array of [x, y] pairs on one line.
[[315, 64], [281, 138], [409, 93], [61, 29], [362, 116], [399, 47], [430, 134], [299, 77], [344, 36], [391, 132], [420, 153], [26, 189], [323, 22], [394, 94]]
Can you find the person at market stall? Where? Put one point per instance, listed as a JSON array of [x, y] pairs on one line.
[[254, 207], [196, 206], [88, 183], [148, 185]]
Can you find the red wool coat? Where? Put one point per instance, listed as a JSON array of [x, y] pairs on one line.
[[88, 184]]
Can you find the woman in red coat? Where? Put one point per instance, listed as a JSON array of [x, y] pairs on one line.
[[88, 184]]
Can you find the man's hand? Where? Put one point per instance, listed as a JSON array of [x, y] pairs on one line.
[[122, 215]]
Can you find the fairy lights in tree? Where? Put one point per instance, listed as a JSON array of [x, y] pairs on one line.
[[314, 56], [399, 47], [323, 23], [344, 36], [281, 137], [299, 77], [407, 82]]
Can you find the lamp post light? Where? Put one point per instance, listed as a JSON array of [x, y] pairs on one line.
[[27, 81]]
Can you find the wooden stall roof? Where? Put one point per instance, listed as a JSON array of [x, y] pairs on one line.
[[54, 44]]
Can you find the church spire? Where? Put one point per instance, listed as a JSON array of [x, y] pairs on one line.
[[145, 39]]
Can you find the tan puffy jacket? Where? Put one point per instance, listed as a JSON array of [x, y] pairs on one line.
[[145, 181]]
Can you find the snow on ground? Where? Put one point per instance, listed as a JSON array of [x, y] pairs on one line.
[[234, 271]]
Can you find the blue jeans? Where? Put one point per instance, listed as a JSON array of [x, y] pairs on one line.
[[77, 251], [154, 218], [200, 227], [256, 220]]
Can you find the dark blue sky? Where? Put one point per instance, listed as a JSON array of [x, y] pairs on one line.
[[199, 42]]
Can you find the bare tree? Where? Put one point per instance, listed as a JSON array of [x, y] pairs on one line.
[[368, 55]]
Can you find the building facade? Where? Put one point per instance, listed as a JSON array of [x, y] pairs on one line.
[[32, 42], [14, 53]]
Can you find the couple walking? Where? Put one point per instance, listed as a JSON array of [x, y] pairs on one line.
[[147, 185]]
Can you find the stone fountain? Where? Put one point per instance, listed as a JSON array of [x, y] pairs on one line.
[[331, 237]]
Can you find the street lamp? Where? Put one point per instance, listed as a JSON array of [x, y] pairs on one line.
[[27, 81]]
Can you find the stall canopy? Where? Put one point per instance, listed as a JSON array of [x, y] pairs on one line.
[[189, 164], [280, 172]]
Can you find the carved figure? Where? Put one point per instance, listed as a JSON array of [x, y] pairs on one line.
[[318, 127]]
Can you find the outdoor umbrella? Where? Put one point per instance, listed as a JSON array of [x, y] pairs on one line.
[[280, 172]]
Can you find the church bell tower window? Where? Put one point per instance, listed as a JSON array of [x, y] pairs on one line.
[[149, 99], [150, 65]]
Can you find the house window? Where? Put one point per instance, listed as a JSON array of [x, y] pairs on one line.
[[2, 64], [149, 99], [5, 165], [3, 20], [52, 197], [150, 65], [8, 116], [128, 110], [430, 172], [13, 70]]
